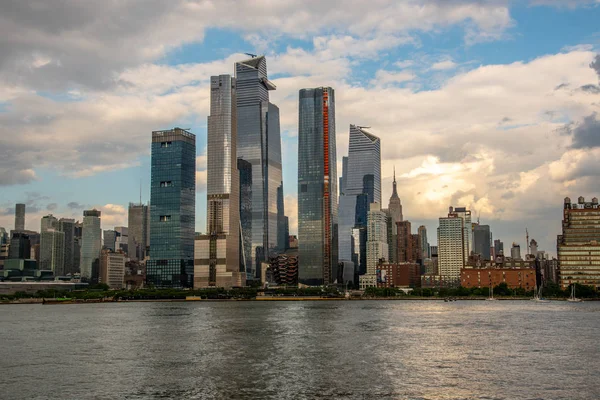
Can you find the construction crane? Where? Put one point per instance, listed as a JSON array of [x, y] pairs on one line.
[[363, 127]]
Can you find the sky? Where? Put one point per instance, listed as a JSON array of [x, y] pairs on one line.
[[492, 105]]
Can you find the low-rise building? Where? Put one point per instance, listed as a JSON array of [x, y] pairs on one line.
[[515, 277]]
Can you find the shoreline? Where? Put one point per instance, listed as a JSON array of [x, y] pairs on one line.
[[270, 298]]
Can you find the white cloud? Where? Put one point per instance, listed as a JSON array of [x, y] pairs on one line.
[[444, 65]]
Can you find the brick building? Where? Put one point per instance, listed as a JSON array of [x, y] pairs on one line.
[[398, 275]]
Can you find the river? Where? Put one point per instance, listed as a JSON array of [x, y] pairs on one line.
[[301, 350]]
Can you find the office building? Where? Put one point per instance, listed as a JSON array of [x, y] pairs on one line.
[[363, 177], [283, 228], [67, 226], [404, 245], [423, 242], [112, 269], [317, 188], [377, 249], [498, 248], [48, 222], [482, 241], [139, 231], [91, 245], [19, 217], [122, 239], [515, 252], [20, 246], [453, 242], [110, 239], [172, 209], [259, 143], [52, 251], [217, 254], [579, 244]]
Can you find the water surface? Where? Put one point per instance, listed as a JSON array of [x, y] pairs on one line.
[[301, 350]]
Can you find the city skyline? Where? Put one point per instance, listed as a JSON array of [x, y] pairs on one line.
[[493, 161]]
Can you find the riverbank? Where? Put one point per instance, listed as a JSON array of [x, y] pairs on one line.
[[268, 298]]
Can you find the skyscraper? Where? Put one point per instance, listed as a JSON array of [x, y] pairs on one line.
[[515, 252], [259, 143], [19, 217], [67, 226], [579, 244], [139, 231], [498, 247], [52, 251], [404, 242], [453, 242], [172, 209], [423, 243], [245, 170], [91, 245], [482, 241], [364, 159], [377, 244], [48, 222], [317, 188], [395, 213], [109, 239], [217, 254]]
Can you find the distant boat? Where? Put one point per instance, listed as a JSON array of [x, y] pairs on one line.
[[573, 299], [491, 298], [537, 295]]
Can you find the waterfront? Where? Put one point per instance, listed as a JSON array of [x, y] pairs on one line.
[[283, 350]]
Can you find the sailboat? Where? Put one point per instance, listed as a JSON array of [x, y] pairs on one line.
[[537, 295], [573, 299], [491, 298]]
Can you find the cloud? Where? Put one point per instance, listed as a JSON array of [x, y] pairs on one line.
[[51, 206], [384, 78], [291, 211], [594, 89], [587, 134], [76, 206], [444, 65], [595, 65]]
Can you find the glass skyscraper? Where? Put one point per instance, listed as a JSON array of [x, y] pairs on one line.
[[172, 209], [19, 217], [217, 254], [259, 143], [91, 245], [364, 160], [317, 188]]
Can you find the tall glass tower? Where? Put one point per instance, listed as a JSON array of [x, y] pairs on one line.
[[91, 245], [317, 188], [364, 160], [259, 143], [217, 254], [172, 209]]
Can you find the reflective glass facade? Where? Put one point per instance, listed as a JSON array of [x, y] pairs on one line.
[[364, 160], [317, 187], [482, 241], [172, 209], [217, 254], [139, 231], [91, 245], [259, 143]]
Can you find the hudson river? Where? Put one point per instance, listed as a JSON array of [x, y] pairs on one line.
[[301, 350]]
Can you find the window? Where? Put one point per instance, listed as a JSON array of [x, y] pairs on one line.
[[165, 218], [303, 188], [165, 144], [166, 184]]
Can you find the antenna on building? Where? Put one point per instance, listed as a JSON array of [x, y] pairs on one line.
[[140, 191], [527, 238]]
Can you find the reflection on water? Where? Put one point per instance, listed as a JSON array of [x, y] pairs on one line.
[[301, 350]]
